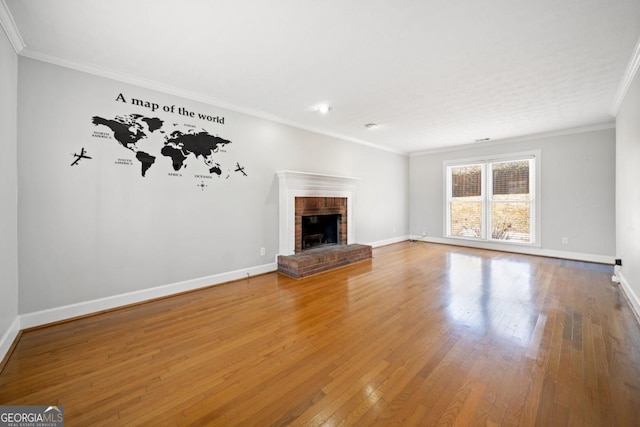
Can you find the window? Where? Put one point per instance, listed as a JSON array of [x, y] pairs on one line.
[[492, 200]]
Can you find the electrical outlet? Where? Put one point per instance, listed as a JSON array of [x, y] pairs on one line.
[[565, 240], [262, 252], [424, 231]]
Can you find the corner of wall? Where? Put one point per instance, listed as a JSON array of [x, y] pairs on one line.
[[9, 320], [8, 340], [632, 298], [627, 110]]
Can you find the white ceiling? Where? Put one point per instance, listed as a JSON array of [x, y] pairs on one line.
[[432, 73]]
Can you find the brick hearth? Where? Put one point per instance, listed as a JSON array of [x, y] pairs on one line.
[[314, 261]]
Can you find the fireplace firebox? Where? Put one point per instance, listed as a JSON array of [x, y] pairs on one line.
[[320, 221], [320, 230]]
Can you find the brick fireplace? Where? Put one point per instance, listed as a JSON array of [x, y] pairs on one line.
[[316, 223], [312, 188]]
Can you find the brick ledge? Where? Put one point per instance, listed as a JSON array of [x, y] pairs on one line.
[[319, 260]]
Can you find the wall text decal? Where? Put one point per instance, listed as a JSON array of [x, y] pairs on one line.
[[153, 106]]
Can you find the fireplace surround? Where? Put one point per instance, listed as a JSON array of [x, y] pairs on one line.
[[327, 201], [313, 187]]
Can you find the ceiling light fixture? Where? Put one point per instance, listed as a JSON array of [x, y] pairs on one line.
[[323, 108], [371, 125]]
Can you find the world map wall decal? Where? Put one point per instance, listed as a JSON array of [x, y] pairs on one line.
[[152, 140]]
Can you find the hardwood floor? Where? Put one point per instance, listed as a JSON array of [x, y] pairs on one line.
[[423, 335]]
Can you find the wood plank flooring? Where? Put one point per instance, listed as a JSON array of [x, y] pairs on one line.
[[423, 334]]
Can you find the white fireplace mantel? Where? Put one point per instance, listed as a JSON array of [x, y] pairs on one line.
[[304, 184]]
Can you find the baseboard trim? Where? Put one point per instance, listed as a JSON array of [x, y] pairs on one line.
[[58, 314], [527, 250], [8, 341], [390, 241], [632, 298]]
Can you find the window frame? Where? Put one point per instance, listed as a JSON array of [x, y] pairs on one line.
[[487, 196]]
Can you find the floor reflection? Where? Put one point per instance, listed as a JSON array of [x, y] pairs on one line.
[[491, 296]]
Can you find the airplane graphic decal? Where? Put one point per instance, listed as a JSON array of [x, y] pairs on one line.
[[79, 157], [240, 169]]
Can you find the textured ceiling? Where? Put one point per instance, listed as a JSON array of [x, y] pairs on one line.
[[432, 73]]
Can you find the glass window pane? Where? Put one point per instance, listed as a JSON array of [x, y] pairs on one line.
[[492, 200], [511, 177], [466, 181], [511, 221], [466, 219]]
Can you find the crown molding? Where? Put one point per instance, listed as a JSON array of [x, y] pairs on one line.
[[176, 91], [559, 132], [629, 74], [10, 28]]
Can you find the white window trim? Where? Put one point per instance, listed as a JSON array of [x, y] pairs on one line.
[[536, 196]]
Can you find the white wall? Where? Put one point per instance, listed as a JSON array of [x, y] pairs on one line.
[[8, 195], [99, 229], [578, 202], [628, 191]]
